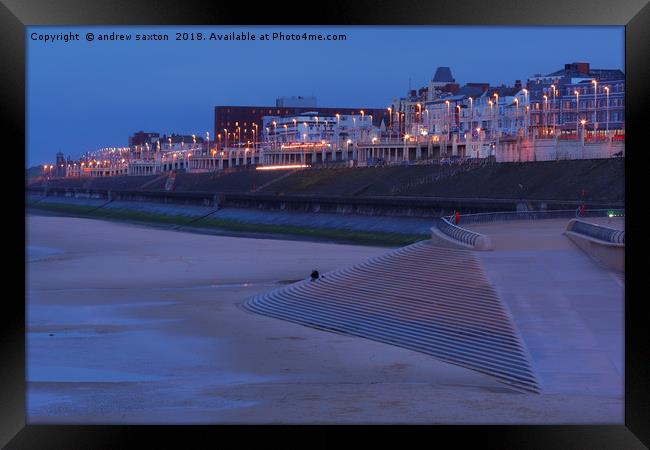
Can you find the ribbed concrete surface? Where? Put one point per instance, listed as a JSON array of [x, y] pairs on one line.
[[425, 298]]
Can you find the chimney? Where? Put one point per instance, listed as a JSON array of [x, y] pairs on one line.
[[583, 68]]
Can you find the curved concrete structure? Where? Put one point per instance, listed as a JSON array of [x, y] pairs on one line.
[[457, 236], [603, 244], [425, 298]]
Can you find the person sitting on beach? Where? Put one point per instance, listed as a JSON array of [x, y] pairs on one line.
[[314, 275]]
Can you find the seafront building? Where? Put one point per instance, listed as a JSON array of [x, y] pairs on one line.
[[311, 137], [576, 112]]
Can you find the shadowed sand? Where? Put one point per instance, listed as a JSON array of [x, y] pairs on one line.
[[131, 324]]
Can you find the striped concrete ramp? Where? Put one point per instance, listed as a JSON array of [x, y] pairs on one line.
[[421, 297]]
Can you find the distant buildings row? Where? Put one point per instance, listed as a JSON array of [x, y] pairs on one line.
[[575, 112]]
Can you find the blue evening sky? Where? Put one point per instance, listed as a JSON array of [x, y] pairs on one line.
[[84, 95]]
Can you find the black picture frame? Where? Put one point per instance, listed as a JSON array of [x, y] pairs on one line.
[[15, 15]]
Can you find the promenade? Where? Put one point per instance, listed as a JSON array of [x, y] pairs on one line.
[[568, 309]]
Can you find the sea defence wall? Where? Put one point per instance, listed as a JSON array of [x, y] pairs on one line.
[[344, 228], [587, 181], [392, 206], [603, 244], [428, 191]]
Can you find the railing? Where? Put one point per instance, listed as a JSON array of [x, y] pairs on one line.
[[536, 215], [599, 232], [459, 234]]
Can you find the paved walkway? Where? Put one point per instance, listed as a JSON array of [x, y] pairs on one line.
[[568, 309]]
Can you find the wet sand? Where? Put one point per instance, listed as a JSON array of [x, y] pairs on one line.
[[131, 324]]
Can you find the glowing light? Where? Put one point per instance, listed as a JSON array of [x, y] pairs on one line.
[[292, 166]]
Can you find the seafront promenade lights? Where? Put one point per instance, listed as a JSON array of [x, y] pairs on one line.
[[275, 137], [595, 82], [545, 97], [516, 112], [607, 109], [448, 117], [577, 108]]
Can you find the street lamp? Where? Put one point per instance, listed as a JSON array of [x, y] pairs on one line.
[[525, 91], [545, 97], [496, 103], [577, 108], [516, 112], [448, 120], [595, 82], [554, 107], [275, 136], [607, 110]]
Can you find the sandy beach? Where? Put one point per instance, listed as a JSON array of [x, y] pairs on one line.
[[130, 324]]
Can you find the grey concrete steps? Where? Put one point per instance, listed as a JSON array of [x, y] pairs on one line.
[[460, 328], [524, 381], [443, 310], [424, 298], [469, 344]]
